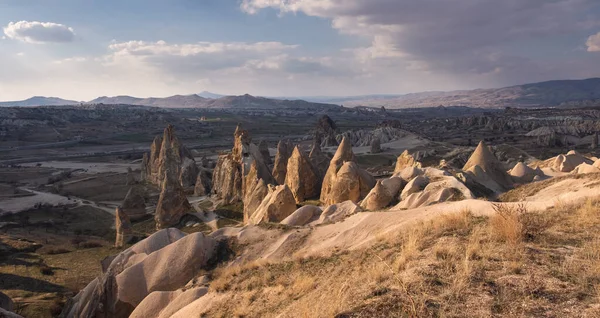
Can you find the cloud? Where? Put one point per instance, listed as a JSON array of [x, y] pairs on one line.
[[39, 32], [593, 43], [461, 38]]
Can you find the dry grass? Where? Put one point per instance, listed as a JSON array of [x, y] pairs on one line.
[[514, 264]]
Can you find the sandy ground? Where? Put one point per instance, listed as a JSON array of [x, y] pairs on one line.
[[90, 167]]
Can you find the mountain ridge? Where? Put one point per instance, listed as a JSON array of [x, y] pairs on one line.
[[555, 93]]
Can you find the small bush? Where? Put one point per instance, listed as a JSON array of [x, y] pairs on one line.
[[514, 223], [58, 250], [89, 245]]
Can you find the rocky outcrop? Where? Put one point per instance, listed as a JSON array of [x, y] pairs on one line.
[[303, 216], [406, 160], [522, 173], [203, 183], [284, 151], [350, 183], [568, 162], [263, 147], [344, 153], [319, 159], [376, 145], [417, 184], [123, 228], [585, 168], [168, 154], [383, 194], [445, 189], [325, 132], [172, 203], [275, 207], [165, 261], [134, 204], [338, 212], [302, 177], [256, 191], [365, 137], [163, 304], [485, 169], [228, 177]]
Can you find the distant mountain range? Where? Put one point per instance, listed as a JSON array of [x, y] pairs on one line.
[[544, 94]]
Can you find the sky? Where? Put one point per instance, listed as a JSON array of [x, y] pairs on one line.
[[82, 49]]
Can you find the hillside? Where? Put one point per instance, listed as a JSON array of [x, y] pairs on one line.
[[552, 93], [39, 101]]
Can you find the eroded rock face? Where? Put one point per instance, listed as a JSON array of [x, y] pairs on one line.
[[406, 160], [383, 194], [168, 154], [522, 173], [122, 227], [376, 145], [302, 177], [446, 189], [134, 204], [256, 191], [303, 216], [338, 212], [164, 261], [172, 203], [350, 183], [231, 169], [568, 162], [203, 182], [284, 151], [276, 206], [344, 153], [485, 169], [417, 184], [325, 132]]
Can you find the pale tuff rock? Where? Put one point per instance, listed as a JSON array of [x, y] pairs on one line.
[[172, 203], [302, 178], [166, 269], [229, 174], [168, 154], [256, 190], [134, 204], [406, 160], [227, 179], [366, 137], [409, 173], [275, 207], [338, 212], [377, 199], [522, 173], [102, 298], [350, 183], [263, 147], [585, 168], [383, 194], [446, 189], [122, 227], [568, 162], [486, 170], [284, 151], [343, 154], [376, 145], [303, 216], [163, 304], [417, 184]]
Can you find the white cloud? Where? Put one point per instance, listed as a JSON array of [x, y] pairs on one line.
[[593, 43], [39, 32]]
